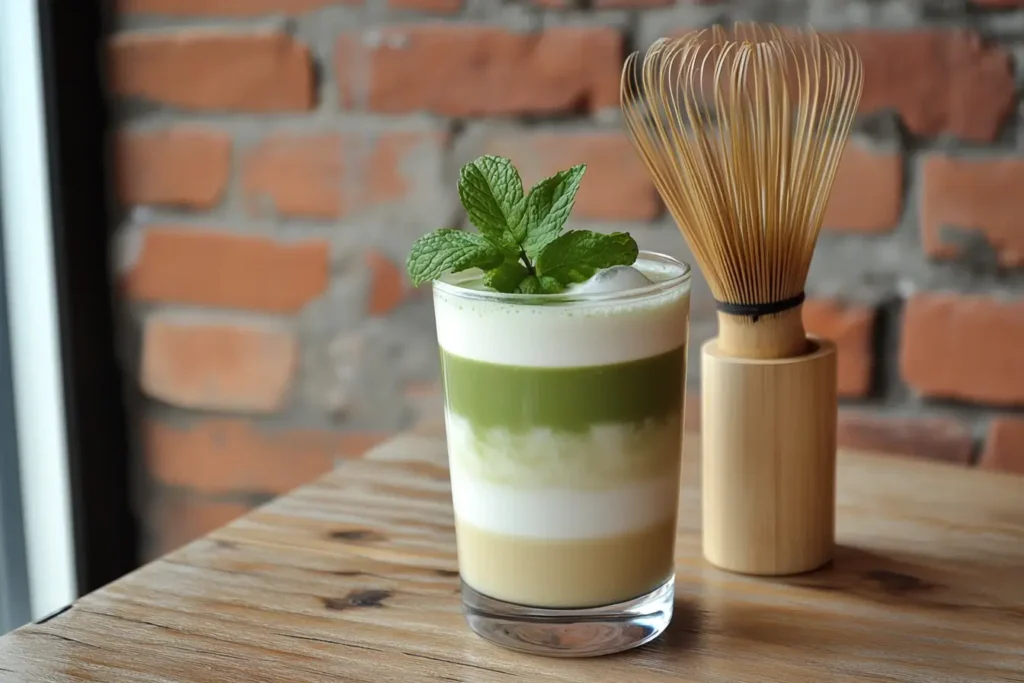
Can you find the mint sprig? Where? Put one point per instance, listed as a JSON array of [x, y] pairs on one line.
[[520, 246]]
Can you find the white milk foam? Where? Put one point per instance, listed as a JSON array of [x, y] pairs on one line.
[[574, 334]]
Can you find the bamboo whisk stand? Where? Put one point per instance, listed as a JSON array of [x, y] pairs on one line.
[[768, 430], [742, 134]]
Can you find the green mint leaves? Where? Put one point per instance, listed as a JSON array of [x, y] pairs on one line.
[[520, 247]]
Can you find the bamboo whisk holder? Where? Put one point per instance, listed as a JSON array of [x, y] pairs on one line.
[[768, 458]]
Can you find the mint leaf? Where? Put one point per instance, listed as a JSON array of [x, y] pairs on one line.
[[550, 285], [492, 194], [576, 255], [450, 251], [548, 207], [540, 285], [530, 285], [506, 277]]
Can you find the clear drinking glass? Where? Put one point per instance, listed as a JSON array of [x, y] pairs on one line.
[[564, 426]]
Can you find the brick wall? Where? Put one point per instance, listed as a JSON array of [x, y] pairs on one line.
[[276, 158]]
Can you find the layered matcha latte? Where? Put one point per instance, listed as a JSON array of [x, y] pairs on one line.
[[564, 361]]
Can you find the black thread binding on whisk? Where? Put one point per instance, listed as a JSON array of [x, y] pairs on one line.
[[755, 311]]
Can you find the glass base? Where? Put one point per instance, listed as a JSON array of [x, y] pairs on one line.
[[588, 632]]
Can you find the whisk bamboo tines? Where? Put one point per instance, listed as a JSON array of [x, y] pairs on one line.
[[742, 135]]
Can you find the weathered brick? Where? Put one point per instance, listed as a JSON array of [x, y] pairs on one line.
[[964, 347], [616, 185], [189, 265], [234, 367], [934, 438], [179, 166], [219, 456], [225, 8], [981, 195], [435, 6], [214, 71], [1004, 447], [477, 70], [330, 175], [300, 175], [177, 518], [851, 327], [867, 196], [388, 286], [939, 80]]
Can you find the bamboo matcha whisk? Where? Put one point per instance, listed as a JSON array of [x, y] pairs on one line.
[[742, 134]]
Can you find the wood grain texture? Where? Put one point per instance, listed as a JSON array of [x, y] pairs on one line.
[[353, 578], [769, 460]]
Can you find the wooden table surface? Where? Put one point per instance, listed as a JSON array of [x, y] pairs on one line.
[[354, 578]]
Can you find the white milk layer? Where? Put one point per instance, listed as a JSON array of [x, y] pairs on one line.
[[572, 334], [548, 513]]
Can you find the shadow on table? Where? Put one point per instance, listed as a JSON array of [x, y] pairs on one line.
[[686, 626], [905, 579], [818, 611]]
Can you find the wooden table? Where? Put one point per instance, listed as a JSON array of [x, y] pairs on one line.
[[353, 578]]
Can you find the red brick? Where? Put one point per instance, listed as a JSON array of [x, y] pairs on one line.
[[242, 368], [1004, 447], [214, 71], [867, 196], [616, 185], [225, 8], [388, 286], [981, 195], [476, 70], [437, 6], [219, 456], [851, 327], [939, 80], [330, 175], [175, 519], [189, 265], [178, 166], [964, 347], [934, 438]]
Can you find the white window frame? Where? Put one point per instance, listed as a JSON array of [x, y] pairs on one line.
[[33, 328]]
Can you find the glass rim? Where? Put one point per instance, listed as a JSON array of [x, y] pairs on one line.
[[446, 286]]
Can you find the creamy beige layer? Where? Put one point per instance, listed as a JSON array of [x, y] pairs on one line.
[[566, 573]]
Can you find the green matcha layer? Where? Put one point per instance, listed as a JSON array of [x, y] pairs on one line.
[[520, 399]]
